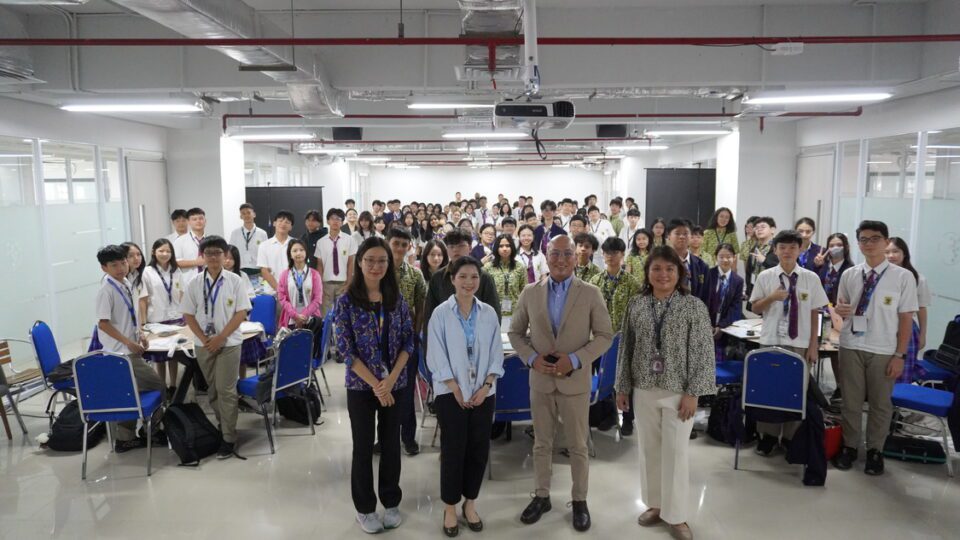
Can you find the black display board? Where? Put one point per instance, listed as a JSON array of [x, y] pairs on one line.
[[269, 200], [681, 193]]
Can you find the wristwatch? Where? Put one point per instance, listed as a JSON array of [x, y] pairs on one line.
[[488, 385], [900, 355]]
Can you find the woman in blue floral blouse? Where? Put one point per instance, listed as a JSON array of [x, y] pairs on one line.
[[375, 336]]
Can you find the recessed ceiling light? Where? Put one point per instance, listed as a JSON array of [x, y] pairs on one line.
[[369, 159], [502, 148], [832, 97], [668, 133], [499, 134], [636, 147]]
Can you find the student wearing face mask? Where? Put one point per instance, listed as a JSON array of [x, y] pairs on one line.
[[832, 261]]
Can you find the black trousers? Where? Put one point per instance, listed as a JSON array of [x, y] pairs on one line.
[[408, 410], [366, 416], [464, 447], [628, 415]]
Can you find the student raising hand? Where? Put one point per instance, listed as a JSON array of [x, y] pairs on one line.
[[821, 257]]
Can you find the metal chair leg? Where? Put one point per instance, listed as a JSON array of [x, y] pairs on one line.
[[150, 445], [16, 412], [325, 383], [436, 429], [313, 428], [946, 446], [266, 421], [109, 426], [83, 470]]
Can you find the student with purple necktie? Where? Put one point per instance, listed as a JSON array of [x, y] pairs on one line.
[[789, 298], [334, 257]]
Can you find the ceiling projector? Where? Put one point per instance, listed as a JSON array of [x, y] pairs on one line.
[[555, 115]]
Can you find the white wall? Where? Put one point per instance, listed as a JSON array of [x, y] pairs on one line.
[[767, 176], [439, 184], [335, 179], [193, 174], [233, 191], [728, 171]]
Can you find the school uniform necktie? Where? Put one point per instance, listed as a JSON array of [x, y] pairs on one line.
[[868, 285], [689, 274], [531, 276], [794, 328], [718, 295], [545, 241], [336, 257]]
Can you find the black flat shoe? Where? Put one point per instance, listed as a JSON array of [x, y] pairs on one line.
[[475, 526], [450, 532], [537, 507], [581, 516]]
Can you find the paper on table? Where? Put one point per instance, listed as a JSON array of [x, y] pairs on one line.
[[167, 343], [162, 329], [249, 327], [748, 323]]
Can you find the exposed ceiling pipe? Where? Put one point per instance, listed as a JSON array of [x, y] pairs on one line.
[[486, 41], [531, 62], [324, 142]]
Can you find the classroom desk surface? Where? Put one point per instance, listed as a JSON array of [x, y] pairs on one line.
[[742, 330], [160, 343]]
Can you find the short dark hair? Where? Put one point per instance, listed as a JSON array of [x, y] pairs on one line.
[[246, 206], [349, 201], [578, 217], [213, 241], [314, 215], [696, 230], [871, 225], [614, 244], [766, 219], [529, 215], [676, 224], [586, 238], [377, 202], [290, 244], [635, 212], [787, 236], [593, 208], [669, 255], [456, 237], [486, 226], [111, 253], [508, 221], [727, 246], [399, 232], [467, 260], [752, 220], [179, 213], [284, 214], [195, 212], [548, 205], [616, 201], [336, 212]]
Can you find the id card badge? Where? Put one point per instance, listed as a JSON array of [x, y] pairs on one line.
[[859, 324], [506, 305], [783, 328], [210, 330], [473, 373], [656, 364]]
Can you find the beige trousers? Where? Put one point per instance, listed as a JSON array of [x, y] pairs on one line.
[[331, 290], [547, 410], [147, 380], [784, 430], [863, 376], [664, 440], [222, 370]]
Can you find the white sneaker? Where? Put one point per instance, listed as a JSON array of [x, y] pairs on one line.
[[370, 523], [391, 518]]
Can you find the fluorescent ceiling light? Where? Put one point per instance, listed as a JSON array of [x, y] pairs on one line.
[[945, 157], [368, 159], [879, 163], [502, 148], [667, 133], [136, 106], [940, 146], [451, 102], [628, 148], [797, 99], [273, 136], [457, 105], [16, 155], [313, 149], [500, 134]]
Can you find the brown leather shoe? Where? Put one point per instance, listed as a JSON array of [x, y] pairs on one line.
[[649, 518], [681, 532]]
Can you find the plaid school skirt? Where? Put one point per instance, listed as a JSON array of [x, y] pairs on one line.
[[912, 370]]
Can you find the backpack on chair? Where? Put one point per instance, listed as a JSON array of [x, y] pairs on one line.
[[190, 433]]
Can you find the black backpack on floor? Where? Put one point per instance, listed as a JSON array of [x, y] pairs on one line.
[[67, 432], [190, 433], [293, 406]]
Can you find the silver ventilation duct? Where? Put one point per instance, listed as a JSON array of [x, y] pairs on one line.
[[312, 94], [16, 64], [490, 18]]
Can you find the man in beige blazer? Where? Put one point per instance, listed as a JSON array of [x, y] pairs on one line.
[[569, 327]]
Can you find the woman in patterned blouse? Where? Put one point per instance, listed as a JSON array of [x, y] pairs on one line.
[[666, 355], [374, 334], [640, 246], [509, 276], [720, 230]]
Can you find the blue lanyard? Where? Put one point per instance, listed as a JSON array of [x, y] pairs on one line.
[[298, 281], [247, 237], [167, 287], [868, 291], [211, 292], [803, 257], [127, 297], [469, 329]]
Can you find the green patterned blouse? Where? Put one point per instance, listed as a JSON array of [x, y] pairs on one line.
[[617, 223], [746, 247], [412, 287], [587, 272], [634, 265], [707, 257], [713, 238], [509, 284], [617, 293]]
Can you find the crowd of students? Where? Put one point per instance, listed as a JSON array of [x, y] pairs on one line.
[[459, 272]]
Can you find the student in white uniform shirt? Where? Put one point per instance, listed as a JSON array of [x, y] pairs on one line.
[[484, 215], [180, 224], [334, 255], [272, 254], [160, 296], [567, 211], [877, 301], [534, 263], [118, 330], [601, 229], [789, 298], [187, 247], [898, 253], [135, 266], [248, 238], [229, 263], [214, 306], [631, 227]]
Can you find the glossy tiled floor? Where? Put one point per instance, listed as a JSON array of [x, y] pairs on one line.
[[304, 492]]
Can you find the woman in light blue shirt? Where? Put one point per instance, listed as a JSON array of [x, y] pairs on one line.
[[465, 357]]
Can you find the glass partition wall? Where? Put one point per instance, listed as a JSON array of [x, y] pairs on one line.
[[60, 202]]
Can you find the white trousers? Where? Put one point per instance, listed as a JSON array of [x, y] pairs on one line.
[[664, 439]]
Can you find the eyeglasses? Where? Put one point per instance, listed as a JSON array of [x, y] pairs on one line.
[[375, 262], [870, 239]]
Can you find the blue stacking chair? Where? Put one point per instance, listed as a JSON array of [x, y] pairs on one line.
[[935, 375], [425, 375], [928, 402], [729, 372], [326, 335], [513, 397], [294, 365], [48, 358], [265, 312], [601, 387], [775, 379], [107, 392]]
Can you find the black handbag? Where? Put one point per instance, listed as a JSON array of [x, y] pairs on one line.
[[947, 355]]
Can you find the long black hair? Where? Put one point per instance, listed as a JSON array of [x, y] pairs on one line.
[[143, 261], [847, 260], [902, 246], [497, 261], [235, 255], [290, 244], [731, 225], [425, 264], [389, 288], [634, 250], [153, 255]]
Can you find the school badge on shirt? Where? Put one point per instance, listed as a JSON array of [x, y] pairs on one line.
[[804, 296], [229, 302], [888, 300]]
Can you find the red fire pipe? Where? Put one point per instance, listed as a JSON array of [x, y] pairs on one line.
[[489, 42]]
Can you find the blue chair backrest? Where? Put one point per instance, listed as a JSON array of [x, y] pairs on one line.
[[45, 346], [295, 359], [513, 391], [105, 383], [265, 312], [608, 369], [774, 378], [326, 334], [422, 362]]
